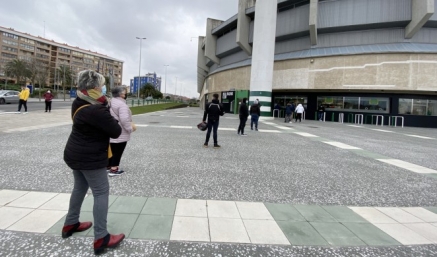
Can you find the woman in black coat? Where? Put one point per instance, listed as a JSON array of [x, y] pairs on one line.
[[86, 153]]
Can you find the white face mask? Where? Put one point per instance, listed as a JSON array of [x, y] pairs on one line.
[[103, 90]]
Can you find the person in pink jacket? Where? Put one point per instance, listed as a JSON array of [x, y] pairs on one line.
[[121, 112]]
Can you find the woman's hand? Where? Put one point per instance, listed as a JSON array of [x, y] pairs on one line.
[[134, 127]]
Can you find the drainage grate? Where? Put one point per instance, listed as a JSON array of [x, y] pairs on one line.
[[154, 122], [312, 127]]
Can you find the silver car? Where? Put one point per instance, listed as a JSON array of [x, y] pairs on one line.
[[9, 96]]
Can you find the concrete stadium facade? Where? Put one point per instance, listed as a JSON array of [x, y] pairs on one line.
[[370, 57]]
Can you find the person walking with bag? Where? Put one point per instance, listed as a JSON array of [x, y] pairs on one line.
[[86, 153], [48, 97], [299, 111], [255, 112], [243, 113], [121, 112], [213, 110]]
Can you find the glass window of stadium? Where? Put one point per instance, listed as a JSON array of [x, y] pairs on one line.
[[418, 107], [283, 100], [354, 104]]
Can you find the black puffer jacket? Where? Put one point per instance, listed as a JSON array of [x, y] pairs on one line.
[[87, 146], [213, 110], [243, 111]]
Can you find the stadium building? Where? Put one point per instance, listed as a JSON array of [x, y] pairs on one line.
[[370, 57]]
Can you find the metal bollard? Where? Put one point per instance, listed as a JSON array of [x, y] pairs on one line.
[[340, 117]]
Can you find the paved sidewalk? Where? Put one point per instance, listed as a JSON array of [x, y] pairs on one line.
[[310, 188], [227, 221]]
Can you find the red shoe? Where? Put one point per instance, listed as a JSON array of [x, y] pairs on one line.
[[109, 241], [67, 231]]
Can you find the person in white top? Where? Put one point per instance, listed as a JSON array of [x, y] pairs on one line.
[[299, 111]]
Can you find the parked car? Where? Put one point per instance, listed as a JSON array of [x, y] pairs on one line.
[[9, 96]]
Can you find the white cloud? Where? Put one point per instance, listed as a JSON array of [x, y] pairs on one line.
[[110, 27]]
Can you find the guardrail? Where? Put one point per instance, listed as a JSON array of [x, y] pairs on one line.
[[143, 102]]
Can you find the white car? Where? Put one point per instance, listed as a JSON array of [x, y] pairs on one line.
[[9, 96]]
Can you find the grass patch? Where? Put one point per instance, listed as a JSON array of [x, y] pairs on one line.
[[155, 107]]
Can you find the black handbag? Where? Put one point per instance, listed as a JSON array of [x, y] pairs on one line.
[[202, 126]]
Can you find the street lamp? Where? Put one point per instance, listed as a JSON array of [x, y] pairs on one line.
[[139, 69], [165, 90]]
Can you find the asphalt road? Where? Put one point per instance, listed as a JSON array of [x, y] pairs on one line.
[[35, 105]]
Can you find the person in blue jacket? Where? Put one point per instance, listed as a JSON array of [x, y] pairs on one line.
[[289, 112]]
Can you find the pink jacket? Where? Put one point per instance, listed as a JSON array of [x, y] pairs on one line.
[[121, 112]]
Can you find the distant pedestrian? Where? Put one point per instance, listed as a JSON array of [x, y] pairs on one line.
[[321, 111], [259, 103], [48, 97], [299, 112], [243, 113], [255, 113], [213, 110], [289, 109], [23, 95], [276, 108], [121, 112]]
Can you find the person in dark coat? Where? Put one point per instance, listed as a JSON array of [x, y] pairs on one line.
[[289, 112], [255, 113], [321, 111], [48, 97], [213, 110], [86, 153], [243, 113]]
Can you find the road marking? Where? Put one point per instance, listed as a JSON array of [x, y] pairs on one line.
[[284, 128], [355, 126], [269, 131], [182, 116], [304, 134], [228, 129], [381, 130], [419, 136], [341, 145], [141, 125], [408, 166], [269, 123]]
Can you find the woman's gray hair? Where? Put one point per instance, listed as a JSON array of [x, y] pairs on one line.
[[116, 91], [88, 79]]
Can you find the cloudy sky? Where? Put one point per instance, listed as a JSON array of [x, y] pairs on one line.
[[110, 27]]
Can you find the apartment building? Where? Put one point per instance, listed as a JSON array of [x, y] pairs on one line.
[[15, 44]]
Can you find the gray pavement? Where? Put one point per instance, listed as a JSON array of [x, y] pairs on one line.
[[272, 165]]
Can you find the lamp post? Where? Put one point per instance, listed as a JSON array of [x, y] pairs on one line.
[[176, 86], [139, 69], [165, 90]]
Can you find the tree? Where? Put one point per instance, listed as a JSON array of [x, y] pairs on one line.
[[66, 75], [17, 69], [147, 90], [42, 74]]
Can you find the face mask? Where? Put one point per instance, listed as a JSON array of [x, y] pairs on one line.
[[104, 90]]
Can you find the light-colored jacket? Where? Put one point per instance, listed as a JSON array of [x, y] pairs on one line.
[[300, 109], [121, 112]]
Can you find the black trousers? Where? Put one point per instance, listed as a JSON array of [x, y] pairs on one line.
[[48, 106], [22, 103], [298, 116], [117, 151], [212, 125], [242, 124]]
